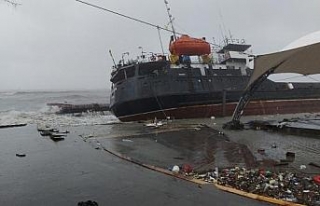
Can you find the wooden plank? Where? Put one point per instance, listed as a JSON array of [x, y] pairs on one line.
[[257, 197]]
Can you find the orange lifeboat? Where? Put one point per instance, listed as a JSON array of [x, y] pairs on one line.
[[186, 45]]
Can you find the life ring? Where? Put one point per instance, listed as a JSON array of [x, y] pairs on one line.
[[317, 179]]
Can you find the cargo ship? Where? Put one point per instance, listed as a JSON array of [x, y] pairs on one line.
[[196, 81]]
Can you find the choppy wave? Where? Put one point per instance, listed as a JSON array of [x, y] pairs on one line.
[[48, 116], [8, 93], [30, 107]]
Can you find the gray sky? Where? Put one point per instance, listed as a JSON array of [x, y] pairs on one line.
[[63, 44]]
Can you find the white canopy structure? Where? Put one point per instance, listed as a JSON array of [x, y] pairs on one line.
[[303, 60]]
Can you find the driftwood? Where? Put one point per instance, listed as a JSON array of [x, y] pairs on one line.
[[12, 125]]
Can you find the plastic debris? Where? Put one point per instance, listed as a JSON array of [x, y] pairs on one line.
[[186, 168], [221, 133], [155, 123], [127, 140], [175, 169], [303, 167], [316, 179], [288, 186]]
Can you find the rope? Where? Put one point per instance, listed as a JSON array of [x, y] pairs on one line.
[[125, 16], [157, 99], [132, 18]]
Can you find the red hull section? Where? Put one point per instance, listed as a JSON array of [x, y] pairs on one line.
[[253, 108]]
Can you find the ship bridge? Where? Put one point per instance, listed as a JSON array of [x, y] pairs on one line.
[[233, 55], [234, 47]]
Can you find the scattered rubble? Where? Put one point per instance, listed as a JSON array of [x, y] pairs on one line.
[[155, 123]]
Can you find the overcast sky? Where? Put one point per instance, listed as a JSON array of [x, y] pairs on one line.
[[64, 44]]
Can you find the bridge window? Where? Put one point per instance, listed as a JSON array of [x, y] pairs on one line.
[[119, 76], [130, 71]]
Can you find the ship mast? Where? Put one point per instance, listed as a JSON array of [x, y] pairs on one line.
[[170, 19]]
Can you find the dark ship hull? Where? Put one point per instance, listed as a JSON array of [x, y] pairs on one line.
[[143, 91]]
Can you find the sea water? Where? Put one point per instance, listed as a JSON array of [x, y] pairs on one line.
[[31, 108]]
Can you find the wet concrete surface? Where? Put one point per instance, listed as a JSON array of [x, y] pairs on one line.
[[135, 140], [276, 144], [200, 146], [72, 170]]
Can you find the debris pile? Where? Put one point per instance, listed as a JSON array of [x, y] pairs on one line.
[[53, 133], [298, 188]]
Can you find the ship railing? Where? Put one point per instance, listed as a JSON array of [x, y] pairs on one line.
[[175, 60], [191, 60], [150, 57]]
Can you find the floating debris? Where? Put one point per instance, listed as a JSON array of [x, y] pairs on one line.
[[127, 140], [20, 155], [12, 125], [53, 133], [47, 128], [88, 203], [57, 137], [45, 132]]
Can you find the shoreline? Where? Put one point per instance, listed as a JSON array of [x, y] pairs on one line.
[[78, 169]]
